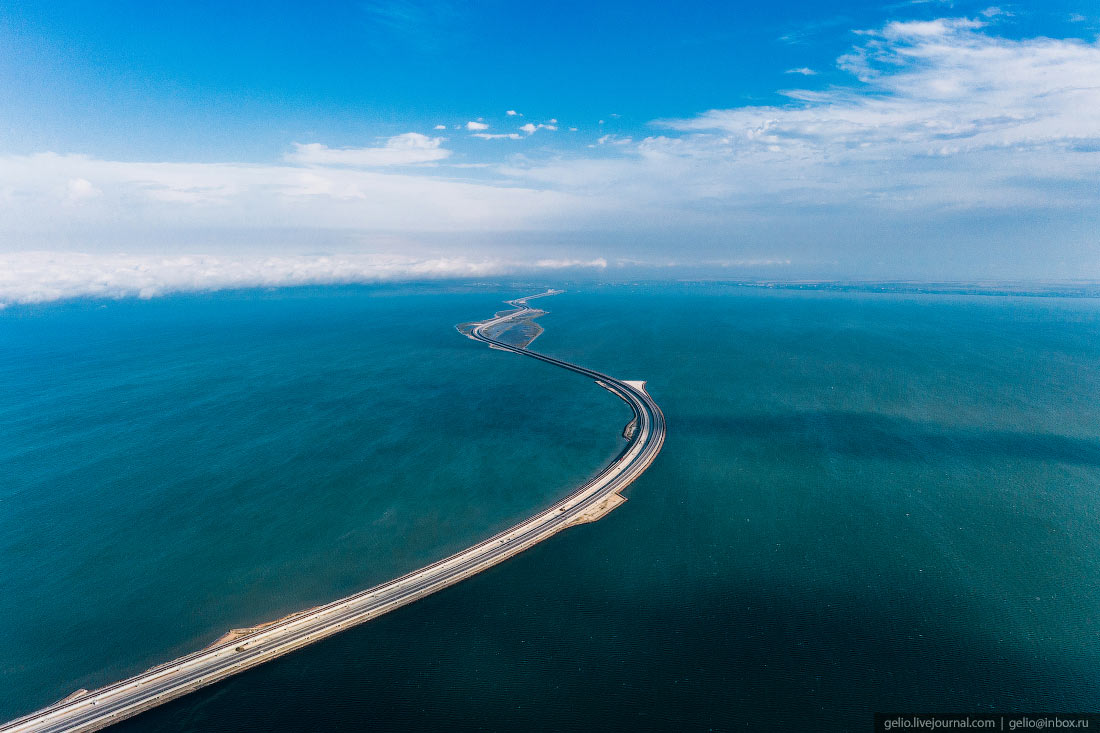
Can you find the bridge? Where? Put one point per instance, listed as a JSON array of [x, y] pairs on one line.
[[88, 711]]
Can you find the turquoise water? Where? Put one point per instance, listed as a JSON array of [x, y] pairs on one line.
[[865, 502], [176, 468]]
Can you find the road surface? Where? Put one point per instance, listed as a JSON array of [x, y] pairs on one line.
[[87, 711]]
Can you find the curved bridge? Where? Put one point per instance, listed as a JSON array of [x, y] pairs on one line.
[[88, 711]]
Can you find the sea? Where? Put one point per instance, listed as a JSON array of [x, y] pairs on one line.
[[867, 502]]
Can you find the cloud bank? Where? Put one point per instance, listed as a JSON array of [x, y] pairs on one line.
[[47, 193], [39, 277]]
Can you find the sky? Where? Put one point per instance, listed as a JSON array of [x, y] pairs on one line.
[[154, 147]]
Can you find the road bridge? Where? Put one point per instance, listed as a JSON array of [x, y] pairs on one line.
[[88, 711]]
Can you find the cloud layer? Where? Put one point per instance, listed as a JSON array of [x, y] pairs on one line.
[[38, 277], [951, 147], [47, 193], [931, 88], [948, 146]]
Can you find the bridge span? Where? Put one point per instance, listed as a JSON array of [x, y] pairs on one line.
[[89, 711]]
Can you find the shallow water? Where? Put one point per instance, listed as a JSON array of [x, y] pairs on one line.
[[865, 502]]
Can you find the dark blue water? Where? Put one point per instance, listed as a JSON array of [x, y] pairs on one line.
[[866, 502]]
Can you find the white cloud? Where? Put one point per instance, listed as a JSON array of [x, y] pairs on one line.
[[943, 125], [940, 120], [497, 136], [80, 189], [411, 148], [930, 90], [36, 198], [513, 113], [599, 263], [472, 125], [1077, 18], [530, 128], [440, 127], [803, 70], [39, 277], [612, 139]]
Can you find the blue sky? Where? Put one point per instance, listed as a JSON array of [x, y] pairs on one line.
[[939, 140]]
